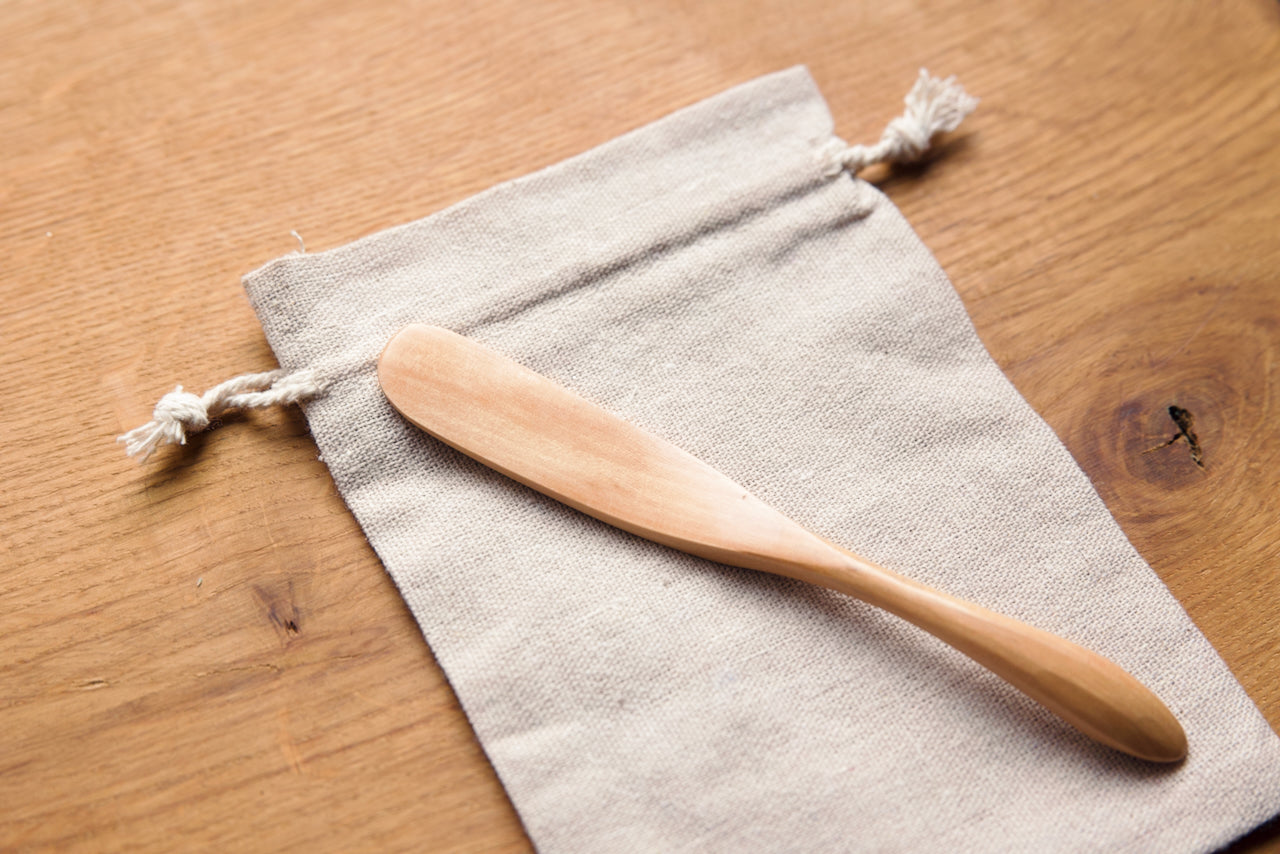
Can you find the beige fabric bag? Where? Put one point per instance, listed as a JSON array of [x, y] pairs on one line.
[[719, 279]]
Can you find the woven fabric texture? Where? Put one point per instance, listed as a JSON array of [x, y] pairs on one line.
[[711, 278]]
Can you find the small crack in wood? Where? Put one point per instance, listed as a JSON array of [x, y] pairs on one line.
[[1185, 423]]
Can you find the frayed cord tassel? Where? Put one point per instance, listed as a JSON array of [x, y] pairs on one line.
[[181, 412], [934, 106]]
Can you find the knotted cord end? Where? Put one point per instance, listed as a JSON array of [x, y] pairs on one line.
[[934, 106], [180, 412]]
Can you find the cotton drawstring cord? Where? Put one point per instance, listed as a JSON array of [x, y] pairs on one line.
[[181, 412], [933, 106]]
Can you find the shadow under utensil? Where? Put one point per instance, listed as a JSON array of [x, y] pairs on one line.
[[978, 692]]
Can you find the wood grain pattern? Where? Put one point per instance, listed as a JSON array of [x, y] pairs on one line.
[[1108, 216]]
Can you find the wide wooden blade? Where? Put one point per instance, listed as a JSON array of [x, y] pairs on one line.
[[545, 436]]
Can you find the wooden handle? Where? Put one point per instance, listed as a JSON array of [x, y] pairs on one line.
[[1086, 690]]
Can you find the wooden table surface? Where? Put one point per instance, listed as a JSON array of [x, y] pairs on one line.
[[203, 653]]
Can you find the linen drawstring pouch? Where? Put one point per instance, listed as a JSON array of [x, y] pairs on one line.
[[723, 279]]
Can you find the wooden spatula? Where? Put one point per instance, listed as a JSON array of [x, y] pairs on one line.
[[533, 430]]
